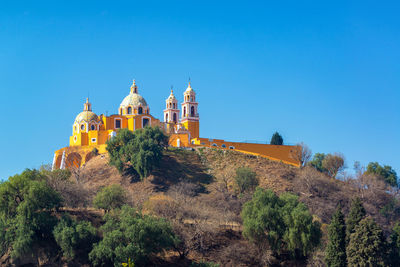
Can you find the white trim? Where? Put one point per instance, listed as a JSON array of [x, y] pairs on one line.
[[146, 117], [115, 123]]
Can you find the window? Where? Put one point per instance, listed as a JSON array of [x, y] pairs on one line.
[[231, 147], [75, 128], [175, 117], [174, 105], [140, 110], [184, 111], [192, 112], [166, 117], [94, 140], [117, 124], [203, 144], [75, 138], [92, 127], [214, 144], [223, 145], [83, 127], [170, 105], [145, 122], [129, 110], [192, 142]]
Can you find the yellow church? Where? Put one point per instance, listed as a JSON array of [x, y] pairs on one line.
[[182, 124]]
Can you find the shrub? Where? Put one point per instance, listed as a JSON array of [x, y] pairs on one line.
[[246, 179], [276, 139], [316, 162], [110, 197], [282, 223], [128, 234], [141, 149], [204, 264], [72, 236], [333, 164]]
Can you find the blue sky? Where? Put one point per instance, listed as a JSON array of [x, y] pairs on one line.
[[323, 73]]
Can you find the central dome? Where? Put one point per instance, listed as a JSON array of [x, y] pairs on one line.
[[133, 99]]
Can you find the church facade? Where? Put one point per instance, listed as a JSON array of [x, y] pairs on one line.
[[91, 131]]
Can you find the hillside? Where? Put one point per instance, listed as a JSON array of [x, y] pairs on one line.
[[196, 191]]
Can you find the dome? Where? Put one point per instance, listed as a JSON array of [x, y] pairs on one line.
[[189, 89], [133, 99], [171, 96], [86, 116]]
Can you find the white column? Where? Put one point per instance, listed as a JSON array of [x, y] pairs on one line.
[[54, 162], [62, 165]]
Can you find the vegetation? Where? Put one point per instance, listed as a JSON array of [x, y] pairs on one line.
[[281, 223], [129, 234], [356, 214], [26, 204], [367, 245], [246, 179], [141, 149], [110, 197], [336, 249], [73, 237], [316, 162], [276, 139], [330, 164], [385, 173]]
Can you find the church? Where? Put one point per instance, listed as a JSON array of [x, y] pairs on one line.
[[90, 131]]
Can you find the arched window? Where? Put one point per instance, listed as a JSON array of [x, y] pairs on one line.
[[166, 117], [83, 127], [92, 127], [174, 105], [184, 111], [170, 105], [223, 146], [175, 117], [129, 110], [192, 112], [140, 110]]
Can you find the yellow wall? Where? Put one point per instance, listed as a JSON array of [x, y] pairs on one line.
[[193, 127]]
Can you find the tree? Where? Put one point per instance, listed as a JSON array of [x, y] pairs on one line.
[[333, 163], [276, 139], [129, 234], [367, 246], [141, 149], [336, 249], [316, 162], [110, 197], [302, 154], [26, 204], [73, 237], [246, 179], [385, 173], [280, 223], [356, 214], [394, 246]]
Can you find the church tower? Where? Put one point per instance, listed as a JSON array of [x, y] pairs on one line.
[[171, 112], [190, 116]]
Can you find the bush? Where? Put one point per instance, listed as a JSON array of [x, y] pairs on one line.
[[276, 139], [281, 223], [316, 162], [110, 197], [128, 234], [141, 149], [72, 237], [333, 164], [204, 264], [246, 179]]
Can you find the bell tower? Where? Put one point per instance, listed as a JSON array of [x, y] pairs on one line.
[[171, 112], [190, 115]]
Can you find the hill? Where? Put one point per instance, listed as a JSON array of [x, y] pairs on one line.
[[196, 191]]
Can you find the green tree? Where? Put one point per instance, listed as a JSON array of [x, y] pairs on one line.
[[129, 234], [246, 179], [356, 214], [280, 223], [316, 162], [276, 139], [73, 237], [336, 249], [110, 197], [26, 204], [394, 246], [385, 173], [367, 246], [142, 149]]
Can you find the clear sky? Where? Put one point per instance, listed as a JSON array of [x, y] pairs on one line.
[[326, 73]]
